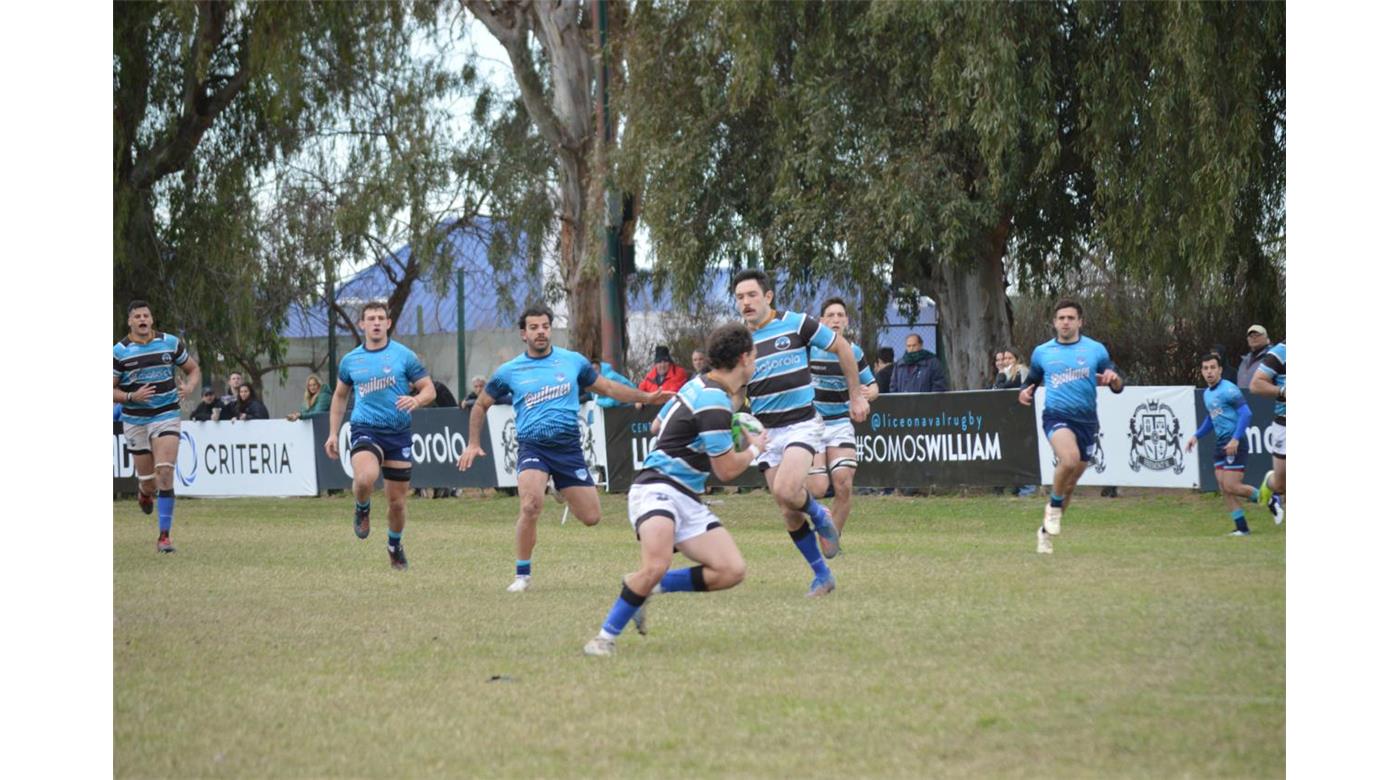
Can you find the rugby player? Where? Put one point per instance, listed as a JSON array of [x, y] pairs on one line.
[[1072, 367], [144, 382], [781, 396], [389, 382], [544, 383], [1228, 415], [1269, 380], [664, 504], [835, 464]]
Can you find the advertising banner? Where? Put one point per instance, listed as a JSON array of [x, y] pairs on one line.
[[1258, 463], [975, 437], [910, 440], [500, 421], [123, 470], [439, 437], [1142, 439], [246, 458]]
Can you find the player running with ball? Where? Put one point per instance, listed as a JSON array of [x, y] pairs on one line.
[[781, 396], [694, 440], [1072, 366]]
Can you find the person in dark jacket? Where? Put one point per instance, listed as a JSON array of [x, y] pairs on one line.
[[207, 404], [248, 407], [918, 371], [444, 395], [884, 368]]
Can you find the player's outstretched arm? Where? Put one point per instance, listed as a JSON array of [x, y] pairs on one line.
[[631, 395], [860, 407], [336, 414], [474, 423]]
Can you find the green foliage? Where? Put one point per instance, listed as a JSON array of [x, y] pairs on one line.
[[878, 142]]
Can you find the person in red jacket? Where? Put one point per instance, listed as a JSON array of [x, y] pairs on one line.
[[664, 374]]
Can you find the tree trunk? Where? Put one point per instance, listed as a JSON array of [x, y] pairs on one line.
[[973, 312]]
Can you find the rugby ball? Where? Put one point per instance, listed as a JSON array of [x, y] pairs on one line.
[[744, 423]]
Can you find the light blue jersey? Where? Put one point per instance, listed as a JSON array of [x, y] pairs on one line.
[[153, 363], [1069, 374], [544, 391], [780, 392], [695, 426], [1275, 366], [1224, 403], [833, 400], [377, 378]]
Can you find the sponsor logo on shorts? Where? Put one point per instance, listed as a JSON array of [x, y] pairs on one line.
[[581, 473]]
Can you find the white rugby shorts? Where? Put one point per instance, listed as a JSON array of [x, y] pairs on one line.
[[658, 499], [1275, 441], [806, 434], [838, 433], [139, 437]]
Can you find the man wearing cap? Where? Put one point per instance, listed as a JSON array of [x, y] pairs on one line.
[[1258, 339], [208, 404], [664, 374]]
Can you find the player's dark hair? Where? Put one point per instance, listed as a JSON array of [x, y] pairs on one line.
[[1066, 303], [372, 305], [754, 274], [1209, 356], [136, 304], [727, 344], [536, 311], [831, 300]]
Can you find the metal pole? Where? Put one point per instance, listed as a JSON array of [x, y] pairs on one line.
[[333, 367], [461, 334]]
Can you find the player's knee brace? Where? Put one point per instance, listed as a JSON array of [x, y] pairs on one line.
[[170, 466], [845, 463], [816, 471], [146, 477], [396, 473]]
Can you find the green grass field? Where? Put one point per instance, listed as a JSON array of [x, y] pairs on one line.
[[276, 644]]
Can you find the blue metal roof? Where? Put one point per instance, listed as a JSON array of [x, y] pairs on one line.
[[436, 306]]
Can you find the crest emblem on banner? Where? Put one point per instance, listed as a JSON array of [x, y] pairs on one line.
[[1155, 432], [508, 444]]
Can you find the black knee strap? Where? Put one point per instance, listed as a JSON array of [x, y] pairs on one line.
[[697, 578], [631, 597], [368, 446], [167, 493], [397, 473]]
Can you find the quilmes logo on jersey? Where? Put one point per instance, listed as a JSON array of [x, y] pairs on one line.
[[783, 342], [1155, 433]]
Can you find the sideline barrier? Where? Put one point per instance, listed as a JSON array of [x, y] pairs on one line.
[[978, 438]]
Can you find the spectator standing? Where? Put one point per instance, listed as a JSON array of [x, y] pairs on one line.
[[478, 384], [699, 362], [664, 375], [918, 371], [235, 380], [1259, 344], [248, 407], [444, 395], [208, 407], [1012, 373], [884, 368], [316, 400]]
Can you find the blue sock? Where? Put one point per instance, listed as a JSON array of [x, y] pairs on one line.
[[1238, 517], [522, 568], [806, 542], [1057, 501], [682, 580], [813, 509], [1254, 497], [622, 611], [165, 509], [395, 538]]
